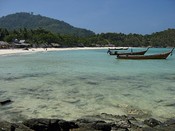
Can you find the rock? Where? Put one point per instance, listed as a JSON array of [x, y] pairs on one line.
[[159, 128], [37, 124], [152, 122], [123, 124], [66, 125], [101, 125], [5, 102], [96, 123], [85, 124], [49, 124], [6, 126], [170, 121], [92, 124]]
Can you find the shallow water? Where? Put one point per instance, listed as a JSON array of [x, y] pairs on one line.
[[72, 84]]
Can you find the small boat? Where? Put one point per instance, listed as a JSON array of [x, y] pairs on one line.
[[154, 56], [118, 48], [129, 53]]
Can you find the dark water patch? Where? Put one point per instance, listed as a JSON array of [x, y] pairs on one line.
[[134, 82], [92, 83], [142, 86], [42, 106], [159, 101], [67, 82], [127, 95], [171, 89], [2, 92], [82, 78], [38, 89], [168, 76], [46, 90], [123, 78], [37, 93], [73, 84], [8, 107], [138, 87], [15, 111], [28, 91], [13, 78], [172, 104], [114, 78], [90, 80]]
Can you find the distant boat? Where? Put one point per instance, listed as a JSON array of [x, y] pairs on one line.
[[143, 57], [129, 53], [118, 48]]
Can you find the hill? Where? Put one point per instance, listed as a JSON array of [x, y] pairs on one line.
[[31, 21]]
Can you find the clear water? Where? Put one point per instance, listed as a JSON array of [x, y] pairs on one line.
[[72, 84]]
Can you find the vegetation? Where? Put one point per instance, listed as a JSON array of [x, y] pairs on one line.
[[31, 21], [41, 37], [42, 31]]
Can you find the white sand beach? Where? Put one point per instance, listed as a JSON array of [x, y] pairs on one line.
[[33, 50]]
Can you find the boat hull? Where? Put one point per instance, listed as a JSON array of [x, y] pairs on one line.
[[129, 53], [144, 57]]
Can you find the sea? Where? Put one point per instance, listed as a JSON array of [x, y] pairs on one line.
[[76, 83]]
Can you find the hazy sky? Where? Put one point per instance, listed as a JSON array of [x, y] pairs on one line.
[[101, 16]]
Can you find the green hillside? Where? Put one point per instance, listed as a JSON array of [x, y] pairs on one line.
[[31, 21]]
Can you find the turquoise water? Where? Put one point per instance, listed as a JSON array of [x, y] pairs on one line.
[[72, 84]]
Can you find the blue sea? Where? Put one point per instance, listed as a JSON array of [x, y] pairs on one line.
[[73, 84]]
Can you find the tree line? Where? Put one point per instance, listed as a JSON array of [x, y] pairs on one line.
[[40, 36]]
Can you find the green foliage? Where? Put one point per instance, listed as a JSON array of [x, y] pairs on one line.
[[30, 21], [41, 36]]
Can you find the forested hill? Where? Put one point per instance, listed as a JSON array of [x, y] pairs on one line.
[[31, 21]]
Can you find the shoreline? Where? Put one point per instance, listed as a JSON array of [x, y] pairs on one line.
[[102, 122], [34, 50]]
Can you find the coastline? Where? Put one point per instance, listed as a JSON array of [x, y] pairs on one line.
[[34, 50], [102, 122]]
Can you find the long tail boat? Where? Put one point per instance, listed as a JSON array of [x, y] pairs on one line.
[[119, 48], [143, 57], [129, 53], [116, 48]]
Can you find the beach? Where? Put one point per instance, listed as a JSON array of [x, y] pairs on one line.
[[34, 50]]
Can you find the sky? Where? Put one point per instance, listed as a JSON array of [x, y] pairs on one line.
[[101, 16]]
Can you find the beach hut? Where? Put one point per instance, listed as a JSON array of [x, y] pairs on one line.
[[22, 44], [55, 45], [4, 45]]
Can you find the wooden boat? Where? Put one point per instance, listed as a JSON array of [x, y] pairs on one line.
[[129, 53], [154, 56], [117, 48]]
